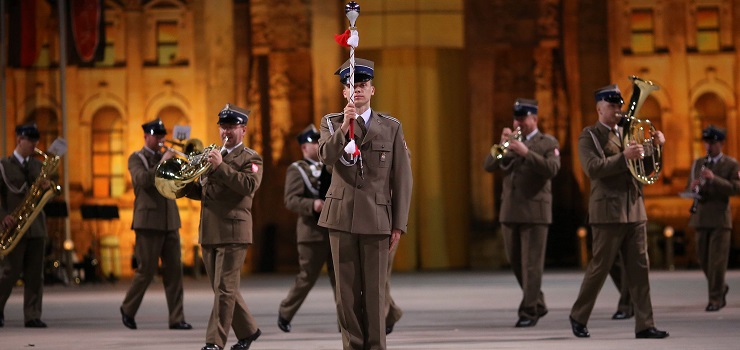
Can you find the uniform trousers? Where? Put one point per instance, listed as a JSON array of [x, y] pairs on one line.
[[713, 245], [620, 281], [150, 246], [311, 259], [629, 239], [223, 265], [525, 246], [26, 257], [393, 313], [360, 265]]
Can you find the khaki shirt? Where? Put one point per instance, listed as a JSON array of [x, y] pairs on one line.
[[527, 193], [373, 198], [152, 211], [226, 194]]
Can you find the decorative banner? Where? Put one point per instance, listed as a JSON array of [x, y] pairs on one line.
[[23, 48], [87, 30]]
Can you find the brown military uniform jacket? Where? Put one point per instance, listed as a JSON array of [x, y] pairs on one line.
[[226, 194], [527, 194], [375, 197], [616, 196], [152, 211], [13, 189], [301, 189], [713, 209]]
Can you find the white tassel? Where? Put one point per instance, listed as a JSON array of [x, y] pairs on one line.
[[354, 39], [351, 147]]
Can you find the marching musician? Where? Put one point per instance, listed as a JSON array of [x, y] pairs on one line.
[[156, 222], [303, 183], [616, 214], [367, 206], [528, 165], [715, 179], [226, 194], [19, 171]]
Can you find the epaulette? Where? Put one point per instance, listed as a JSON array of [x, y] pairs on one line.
[[250, 151], [389, 118], [328, 121], [550, 137], [333, 115]]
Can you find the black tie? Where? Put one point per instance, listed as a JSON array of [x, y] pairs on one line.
[[26, 172], [224, 153], [710, 162]]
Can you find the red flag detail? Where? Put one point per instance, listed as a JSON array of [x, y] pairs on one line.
[[86, 20], [341, 39]]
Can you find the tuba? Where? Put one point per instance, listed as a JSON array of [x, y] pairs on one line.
[[499, 151], [32, 204], [641, 131], [174, 174]]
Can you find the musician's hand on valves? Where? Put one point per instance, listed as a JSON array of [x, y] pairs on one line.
[[707, 174], [350, 113], [518, 147], [8, 221], [634, 151], [214, 157], [318, 204], [658, 136], [505, 135], [167, 156]]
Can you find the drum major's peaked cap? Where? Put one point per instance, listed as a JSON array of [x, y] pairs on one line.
[[364, 71]]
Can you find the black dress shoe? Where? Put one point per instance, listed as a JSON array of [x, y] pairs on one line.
[[579, 330], [621, 315], [243, 344], [525, 322], [283, 324], [2, 320], [35, 323], [181, 325], [542, 313], [388, 329], [127, 320], [651, 333], [210, 346], [724, 297], [712, 307]]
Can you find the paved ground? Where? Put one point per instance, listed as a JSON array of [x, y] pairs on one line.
[[445, 310]]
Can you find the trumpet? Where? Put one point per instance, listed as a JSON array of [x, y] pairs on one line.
[[698, 187], [499, 151], [188, 147], [173, 175]]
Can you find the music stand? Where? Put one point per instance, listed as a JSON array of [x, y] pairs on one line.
[[56, 270], [97, 213]]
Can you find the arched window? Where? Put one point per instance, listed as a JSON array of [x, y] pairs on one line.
[[108, 164], [47, 122], [711, 109], [172, 116], [651, 110]]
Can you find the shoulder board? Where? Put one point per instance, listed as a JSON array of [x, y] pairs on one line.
[[333, 115], [298, 163], [250, 151], [550, 137], [389, 118]]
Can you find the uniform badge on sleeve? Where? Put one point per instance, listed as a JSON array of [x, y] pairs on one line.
[[556, 152], [255, 168]]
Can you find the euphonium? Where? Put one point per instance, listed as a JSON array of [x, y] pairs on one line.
[[499, 151], [641, 131], [174, 174], [32, 204]]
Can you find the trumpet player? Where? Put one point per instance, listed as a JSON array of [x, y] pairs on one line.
[[19, 171], [616, 215], [715, 179], [226, 194], [156, 223], [528, 166]]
